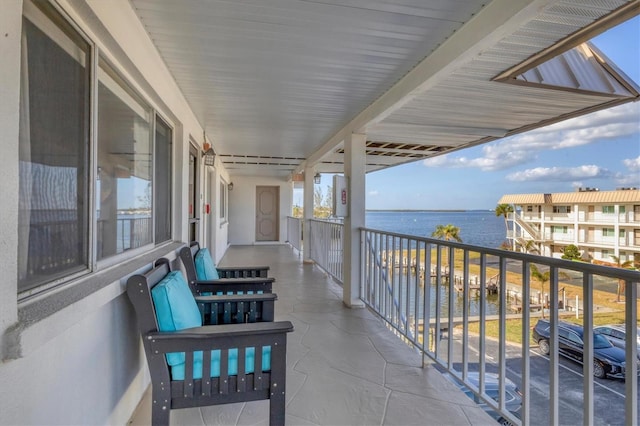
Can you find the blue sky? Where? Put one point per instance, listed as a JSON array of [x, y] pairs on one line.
[[600, 150]]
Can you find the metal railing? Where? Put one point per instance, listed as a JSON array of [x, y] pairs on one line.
[[325, 245], [432, 292], [294, 232]]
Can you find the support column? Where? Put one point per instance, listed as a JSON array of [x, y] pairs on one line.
[[307, 215], [355, 171]]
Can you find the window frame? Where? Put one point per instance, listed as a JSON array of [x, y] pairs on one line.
[[223, 202], [55, 19], [49, 18]]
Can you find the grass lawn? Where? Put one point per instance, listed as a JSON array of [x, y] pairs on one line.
[[514, 326]]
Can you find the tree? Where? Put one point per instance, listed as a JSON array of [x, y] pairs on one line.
[[504, 210], [318, 197], [621, 283], [447, 233], [528, 246], [542, 278], [571, 252]]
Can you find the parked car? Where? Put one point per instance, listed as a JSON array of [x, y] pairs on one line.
[[608, 360], [513, 401], [616, 335]]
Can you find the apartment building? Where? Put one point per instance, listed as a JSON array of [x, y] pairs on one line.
[[602, 224]]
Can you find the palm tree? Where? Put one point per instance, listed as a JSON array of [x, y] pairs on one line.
[[528, 246], [542, 278], [447, 233], [621, 283], [504, 210]]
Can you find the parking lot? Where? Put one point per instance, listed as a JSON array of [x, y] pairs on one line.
[[608, 393]]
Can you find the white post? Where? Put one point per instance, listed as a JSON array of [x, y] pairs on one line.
[[307, 214], [577, 310], [354, 170]]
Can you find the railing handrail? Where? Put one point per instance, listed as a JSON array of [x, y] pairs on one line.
[[609, 271], [400, 294]]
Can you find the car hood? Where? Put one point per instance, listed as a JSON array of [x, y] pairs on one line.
[[613, 355]]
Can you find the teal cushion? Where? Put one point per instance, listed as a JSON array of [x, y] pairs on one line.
[[205, 268], [176, 309], [177, 371]]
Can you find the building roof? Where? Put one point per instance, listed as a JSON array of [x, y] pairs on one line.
[[578, 197]]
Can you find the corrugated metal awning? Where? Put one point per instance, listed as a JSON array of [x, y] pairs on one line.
[[578, 197]]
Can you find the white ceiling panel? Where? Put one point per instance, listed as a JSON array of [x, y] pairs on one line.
[[281, 78]]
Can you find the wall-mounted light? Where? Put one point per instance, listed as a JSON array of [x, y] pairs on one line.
[[316, 178], [230, 186], [209, 153]]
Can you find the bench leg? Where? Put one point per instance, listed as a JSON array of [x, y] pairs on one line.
[[160, 407], [277, 408]]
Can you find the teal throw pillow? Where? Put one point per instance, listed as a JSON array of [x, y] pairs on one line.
[[176, 309], [205, 268]]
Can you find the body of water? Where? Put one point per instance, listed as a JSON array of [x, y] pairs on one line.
[[477, 227]]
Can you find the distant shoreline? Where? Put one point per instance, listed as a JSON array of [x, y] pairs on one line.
[[430, 210]]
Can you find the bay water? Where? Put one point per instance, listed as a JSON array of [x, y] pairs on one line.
[[477, 227]]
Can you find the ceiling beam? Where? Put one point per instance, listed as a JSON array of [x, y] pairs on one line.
[[494, 22]]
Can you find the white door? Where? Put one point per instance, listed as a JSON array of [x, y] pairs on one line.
[[267, 213]]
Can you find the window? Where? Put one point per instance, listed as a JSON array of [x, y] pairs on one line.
[[529, 209], [605, 254], [559, 229], [53, 224], [622, 233], [562, 209], [124, 195], [162, 180], [622, 209], [608, 209], [223, 201], [131, 181], [608, 232]]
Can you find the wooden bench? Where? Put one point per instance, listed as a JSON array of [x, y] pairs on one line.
[[200, 385], [233, 279]]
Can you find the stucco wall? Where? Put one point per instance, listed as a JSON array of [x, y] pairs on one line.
[[73, 355], [90, 373]]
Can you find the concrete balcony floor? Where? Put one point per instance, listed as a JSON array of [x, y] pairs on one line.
[[344, 366]]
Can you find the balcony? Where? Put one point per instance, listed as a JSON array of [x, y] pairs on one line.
[[344, 365], [384, 365]]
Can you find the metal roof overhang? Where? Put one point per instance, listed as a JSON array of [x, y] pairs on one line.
[[277, 84], [578, 197]]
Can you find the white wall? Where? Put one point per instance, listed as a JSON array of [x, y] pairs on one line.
[[242, 207], [81, 361]]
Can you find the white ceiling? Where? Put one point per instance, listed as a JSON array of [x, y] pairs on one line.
[[277, 83]]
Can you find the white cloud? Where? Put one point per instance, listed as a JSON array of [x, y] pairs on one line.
[[632, 177], [611, 123], [563, 174], [373, 193], [633, 164]]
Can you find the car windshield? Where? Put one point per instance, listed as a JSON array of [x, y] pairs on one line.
[[600, 342]]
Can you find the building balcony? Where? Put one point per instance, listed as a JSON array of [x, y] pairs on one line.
[[385, 365], [344, 366]]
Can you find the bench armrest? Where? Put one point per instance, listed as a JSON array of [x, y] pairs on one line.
[[212, 337]]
